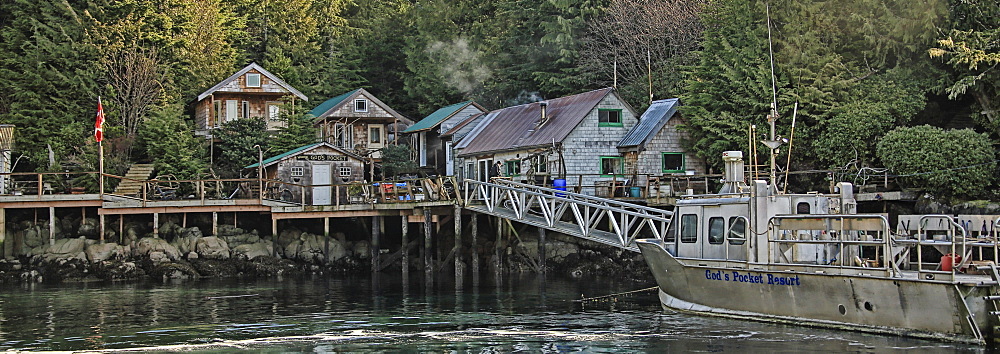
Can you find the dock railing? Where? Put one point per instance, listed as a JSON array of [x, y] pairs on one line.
[[47, 183], [851, 234]]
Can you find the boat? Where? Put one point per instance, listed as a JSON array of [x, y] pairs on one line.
[[752, 252]]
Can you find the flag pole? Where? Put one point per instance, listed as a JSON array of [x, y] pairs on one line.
[[99, 136]]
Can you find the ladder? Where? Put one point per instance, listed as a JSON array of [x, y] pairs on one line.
[[994, 297]]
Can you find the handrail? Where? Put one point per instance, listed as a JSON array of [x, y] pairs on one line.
[[842, 230], [921, 238]]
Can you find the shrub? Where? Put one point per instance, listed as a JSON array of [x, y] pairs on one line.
[[957, 163]]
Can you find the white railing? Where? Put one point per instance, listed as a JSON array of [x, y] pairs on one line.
[[603, 220]]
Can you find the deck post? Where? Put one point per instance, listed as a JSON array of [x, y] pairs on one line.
[[376, 234], [274, 236], [100, 227], [215, 223], [475, 248], [496, 246], [458, 247], [428, 247], [121, 229], [406, 248], [541, 249], [156, 225], [184, 220], [52, 226], [3, 233], [326, 240]]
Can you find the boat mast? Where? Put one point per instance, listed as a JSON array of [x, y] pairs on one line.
[[772, 142]]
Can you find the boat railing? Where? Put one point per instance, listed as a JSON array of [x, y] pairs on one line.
[[852, 235], [956, 245]]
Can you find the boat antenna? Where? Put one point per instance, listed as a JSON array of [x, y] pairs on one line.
[[791, 137], [772, 143]]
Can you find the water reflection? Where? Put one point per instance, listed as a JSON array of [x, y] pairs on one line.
[[384, 313]]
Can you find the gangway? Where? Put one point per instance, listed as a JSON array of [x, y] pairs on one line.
[[601, 220]]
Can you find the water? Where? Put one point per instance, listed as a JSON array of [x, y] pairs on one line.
[[341, 313]]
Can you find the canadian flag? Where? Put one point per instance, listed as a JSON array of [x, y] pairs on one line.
[[99, 125]]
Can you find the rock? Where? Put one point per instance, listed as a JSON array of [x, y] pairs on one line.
[[192, 255], [187, 242], [212, 248], [148, 244], [88, 228], [193, 231], [34, 237], [102, 252], [253, 250], [311, 248], [287, 236], [229, 230], [68, 245], [362, 250], [158, 257]]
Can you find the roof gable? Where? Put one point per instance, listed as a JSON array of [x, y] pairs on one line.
[[652, 121], [303, 149], [440, 116], [253, 66], [327, 108], [517, 127]]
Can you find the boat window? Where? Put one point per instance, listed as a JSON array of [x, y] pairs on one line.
[[689, 228], [737, 230], [671, 235], [802, 208], [716, 230]]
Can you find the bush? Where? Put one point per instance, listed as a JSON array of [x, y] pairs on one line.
[[958, 163]]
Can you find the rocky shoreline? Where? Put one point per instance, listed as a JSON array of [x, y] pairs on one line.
[[185, 254]]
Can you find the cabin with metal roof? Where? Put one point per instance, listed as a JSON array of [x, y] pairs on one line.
[[358, 121], [249, 93], [571, 138], [434, 152], [653, 147], [318, 174]]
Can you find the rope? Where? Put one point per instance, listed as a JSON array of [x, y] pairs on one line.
[[605, 297]]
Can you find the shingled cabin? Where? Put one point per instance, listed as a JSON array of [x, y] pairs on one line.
[[250, 92]]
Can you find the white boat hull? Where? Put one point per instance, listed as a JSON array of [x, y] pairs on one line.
[[860, 302]]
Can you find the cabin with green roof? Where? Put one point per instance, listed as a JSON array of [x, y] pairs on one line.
[[358, 121], [318, 174], [434, 153]]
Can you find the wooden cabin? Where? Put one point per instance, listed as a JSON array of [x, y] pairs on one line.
[[653, 147], [434, 151], [317, 173], [250, 92], [572, 138], [358, 121]]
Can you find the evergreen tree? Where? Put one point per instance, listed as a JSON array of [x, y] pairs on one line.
[[169, 142], [298, 131], [238, 141]]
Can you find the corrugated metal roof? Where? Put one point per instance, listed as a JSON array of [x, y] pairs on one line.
[[437, 117], [458, 127], [652, 120], [330, 103], [517, 127], [301, 149], [266, 73]]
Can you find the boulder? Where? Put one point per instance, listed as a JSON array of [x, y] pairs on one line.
[[68, 245], [362, 249], [35, 236], [99, 252], [212, 248], [88, 228], [147, 245], [311, 248], [253, 250], [229, 230], [193, 231]]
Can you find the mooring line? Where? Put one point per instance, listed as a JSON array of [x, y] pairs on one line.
[[229, 296], [604, 297]]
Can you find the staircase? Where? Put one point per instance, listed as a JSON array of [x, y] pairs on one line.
[[132, 184]]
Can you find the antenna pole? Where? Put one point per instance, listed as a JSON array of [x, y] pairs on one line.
[[791, 137], [772, 143]]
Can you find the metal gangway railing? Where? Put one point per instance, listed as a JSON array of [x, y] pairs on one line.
[[597, 219]]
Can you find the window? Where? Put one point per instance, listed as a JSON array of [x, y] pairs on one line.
[[246, 109], [253, 80], [298, 171], [513, 168], [612, 165], [218, 113], [342, 136], [802, 208], [671, 235], [273, 111], [716, 230], [470, 171], [345, 171], [737, 230], [673, 162], [542, 164], [689, 228], [375, 134], [361, 105], [609, 117], [231, 106]]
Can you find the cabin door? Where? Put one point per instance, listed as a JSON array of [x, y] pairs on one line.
[[449, 162], [321, 176]]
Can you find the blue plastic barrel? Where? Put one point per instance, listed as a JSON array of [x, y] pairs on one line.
[[635, 192], [559, 184]]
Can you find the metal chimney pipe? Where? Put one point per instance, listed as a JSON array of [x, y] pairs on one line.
[[543, 105]]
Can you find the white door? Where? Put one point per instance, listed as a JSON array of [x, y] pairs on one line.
[[449, 163], [320, 176], [422, 148]]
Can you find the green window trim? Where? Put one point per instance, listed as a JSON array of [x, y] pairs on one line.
[[621, 166], [663, 162], [601, 123], [513, 168]]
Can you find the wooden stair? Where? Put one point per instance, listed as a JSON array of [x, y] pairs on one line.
[[132, 184]]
